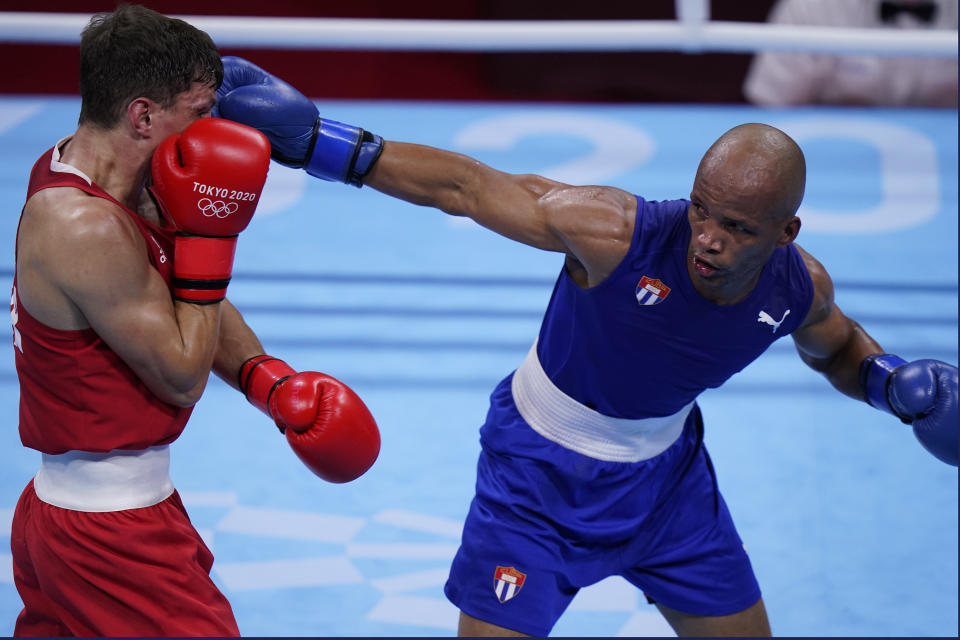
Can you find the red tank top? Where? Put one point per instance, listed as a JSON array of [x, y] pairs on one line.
[[75, 392]]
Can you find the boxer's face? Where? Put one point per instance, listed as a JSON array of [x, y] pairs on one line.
[[735, 225], [193, 104]]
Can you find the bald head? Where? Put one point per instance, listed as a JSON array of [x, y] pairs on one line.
[[758, 161]]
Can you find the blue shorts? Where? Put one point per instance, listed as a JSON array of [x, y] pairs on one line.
[[547, 521]]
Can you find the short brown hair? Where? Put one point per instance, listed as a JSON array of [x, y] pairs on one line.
[[135, 51]]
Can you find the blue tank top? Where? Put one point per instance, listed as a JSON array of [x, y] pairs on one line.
[[644, 343]]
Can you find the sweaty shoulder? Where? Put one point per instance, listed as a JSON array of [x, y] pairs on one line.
[[595, 223], [822, 289], [72, 218], [607, 211], [66, 237]]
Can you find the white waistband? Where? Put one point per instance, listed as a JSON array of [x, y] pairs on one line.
[[112, 481], [561, 419]]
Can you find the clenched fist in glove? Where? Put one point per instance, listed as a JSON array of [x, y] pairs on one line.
[[922, 393], [326, 423], [207, 181], [324, 148]]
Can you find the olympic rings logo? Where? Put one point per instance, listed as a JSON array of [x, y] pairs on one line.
[[217, 208]]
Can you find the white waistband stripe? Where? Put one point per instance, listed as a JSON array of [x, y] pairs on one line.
[[112, 481], [561, 419]]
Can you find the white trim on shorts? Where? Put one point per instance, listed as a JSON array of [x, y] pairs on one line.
[[112, 481], [561, 419]]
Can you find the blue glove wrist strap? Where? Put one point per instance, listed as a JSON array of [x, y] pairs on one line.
[[332, 150], [342, 153], [875, 372], [367, 155]]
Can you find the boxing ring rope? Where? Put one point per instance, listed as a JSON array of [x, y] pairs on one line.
[[694, 32]]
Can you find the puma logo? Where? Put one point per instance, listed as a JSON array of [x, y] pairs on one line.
[[766, 318]]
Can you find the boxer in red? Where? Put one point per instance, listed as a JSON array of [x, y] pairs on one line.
[[123, 257]]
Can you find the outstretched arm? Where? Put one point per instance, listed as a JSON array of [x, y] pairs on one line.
[[592, 225], [922, 393]]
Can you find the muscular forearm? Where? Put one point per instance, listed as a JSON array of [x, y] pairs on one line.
[[511, 205], [427, 176], [842, 368], [214, 337], [238, 343]]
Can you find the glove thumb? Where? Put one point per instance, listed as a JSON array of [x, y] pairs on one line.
[[294, 404], [913, 389]]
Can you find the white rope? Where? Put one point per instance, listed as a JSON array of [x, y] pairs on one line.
[[694, 34], [692, 12]]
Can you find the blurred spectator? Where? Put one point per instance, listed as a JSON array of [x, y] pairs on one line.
[[779, 79]]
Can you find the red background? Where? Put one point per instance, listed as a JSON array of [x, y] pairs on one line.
[[595, 77]]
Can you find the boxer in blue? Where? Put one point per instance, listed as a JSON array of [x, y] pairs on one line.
[[592, 460]]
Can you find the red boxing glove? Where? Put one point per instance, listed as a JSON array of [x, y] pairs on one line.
[[207, 181], [326, 424]]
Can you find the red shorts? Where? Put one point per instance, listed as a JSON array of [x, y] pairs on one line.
[[137, 572]]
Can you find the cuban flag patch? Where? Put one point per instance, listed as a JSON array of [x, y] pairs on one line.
[[651, 291], [507, 582]]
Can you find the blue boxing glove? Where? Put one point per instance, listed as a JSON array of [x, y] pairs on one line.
[[922, 393], [299, 138]]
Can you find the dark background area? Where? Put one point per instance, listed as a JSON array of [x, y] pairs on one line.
[[562, 77]]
